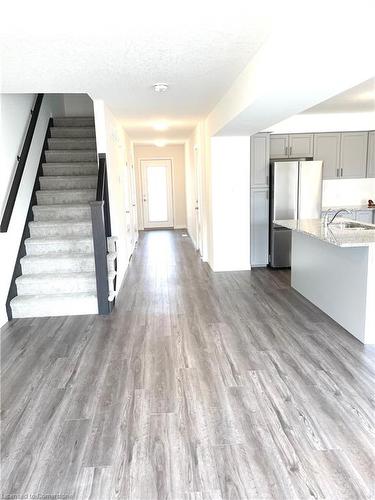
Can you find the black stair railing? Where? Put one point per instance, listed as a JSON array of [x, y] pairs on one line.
[[101, 230], [22, 158]]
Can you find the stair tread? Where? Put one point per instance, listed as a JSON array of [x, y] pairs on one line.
[[49, 297], [59, 191], [62, 205], [57, 275], [55, 239], [71, 164], [53, 223], [71, 177], [65, 255]]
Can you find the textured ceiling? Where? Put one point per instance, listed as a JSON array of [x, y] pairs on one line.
[[118, 53]]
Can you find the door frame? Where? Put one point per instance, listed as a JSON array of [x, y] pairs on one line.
[[198, 199], [170, 200]]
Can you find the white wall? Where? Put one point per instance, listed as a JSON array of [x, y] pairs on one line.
[[78, 105], [230, 173], [15, 115], [347, 192], [175, 152], [112, 140]]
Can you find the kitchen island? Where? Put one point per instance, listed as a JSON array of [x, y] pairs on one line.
[[334, 268]]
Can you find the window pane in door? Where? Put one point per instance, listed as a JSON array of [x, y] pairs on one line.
[[157, 194]]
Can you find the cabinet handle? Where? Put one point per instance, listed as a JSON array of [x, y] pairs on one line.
[[342, 172], [267, 180], [338, 173], [290, 151], [286, 150]]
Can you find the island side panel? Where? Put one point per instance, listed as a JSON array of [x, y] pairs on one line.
[[333, 278], [370, 316]]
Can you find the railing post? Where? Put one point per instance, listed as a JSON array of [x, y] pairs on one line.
[[100, 255]]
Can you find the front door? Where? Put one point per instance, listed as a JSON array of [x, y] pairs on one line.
[[157, 193]]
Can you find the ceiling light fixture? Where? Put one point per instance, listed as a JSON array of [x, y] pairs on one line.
[[160, 126], [160, 143], [160, 87]]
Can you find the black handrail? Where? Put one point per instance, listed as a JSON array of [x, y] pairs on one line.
[[21, 166], [101, 230]]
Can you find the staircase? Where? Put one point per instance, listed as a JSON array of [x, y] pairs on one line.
[[58, 271]]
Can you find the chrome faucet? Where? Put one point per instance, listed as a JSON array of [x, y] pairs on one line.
[[327, 223]]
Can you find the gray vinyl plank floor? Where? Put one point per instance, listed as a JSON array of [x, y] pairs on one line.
[[197, 386]]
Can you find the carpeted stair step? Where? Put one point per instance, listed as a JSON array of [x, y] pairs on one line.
[[45, 283], [70, 132], [68, 182], [65, 304], [63, 263], [70, 155], [70, 169], [61, 212], [65, 196], [71, 143], [59, 244], [43, 229], [74, 121]]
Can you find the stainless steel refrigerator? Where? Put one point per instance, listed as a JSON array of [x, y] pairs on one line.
[[295, 193]]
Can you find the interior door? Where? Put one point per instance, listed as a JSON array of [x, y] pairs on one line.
[[198, 193], [157, 193]]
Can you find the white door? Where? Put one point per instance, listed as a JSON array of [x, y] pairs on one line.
[[157, 193], [198, 194], [353, 155], [279, 146], [301, 145], [327, 149]]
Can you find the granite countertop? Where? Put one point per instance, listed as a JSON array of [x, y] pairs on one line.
[[333, 234], [348, 207]]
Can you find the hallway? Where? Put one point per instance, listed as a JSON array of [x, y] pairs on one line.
[[199, 385]]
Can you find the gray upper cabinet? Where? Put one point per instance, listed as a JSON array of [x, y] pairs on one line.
[[279, 146], [291, 145], [353, 155], [371, 154], [301, 145], [327, 149], [260, 160]]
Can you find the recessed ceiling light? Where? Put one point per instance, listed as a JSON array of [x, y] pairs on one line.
[[160, 126], [160, 87], [160, 143]]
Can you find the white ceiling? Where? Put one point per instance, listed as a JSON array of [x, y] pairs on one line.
[[359, 99], [118, 53]]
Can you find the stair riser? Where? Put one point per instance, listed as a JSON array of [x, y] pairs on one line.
[[74, 121], [79, 246], [47, 308], [65, 197], [71, 132], [75, 144], [70, 156], [62, 213], [59, 285], [70, 169], [84, 264], [68, 183], [73, 229]]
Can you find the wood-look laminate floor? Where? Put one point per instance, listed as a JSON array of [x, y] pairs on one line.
[[198, 386]]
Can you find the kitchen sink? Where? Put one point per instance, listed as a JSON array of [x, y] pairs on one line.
[[351, 225]]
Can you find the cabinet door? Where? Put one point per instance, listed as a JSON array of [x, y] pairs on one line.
[[260, 160], [279, 146], [259, 227], [364, 216], [353, 155], [301, 145], [371, 155], [327, 149]]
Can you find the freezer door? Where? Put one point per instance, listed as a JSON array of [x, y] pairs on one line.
[[281, 245], [310, 189], [284, 202]]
